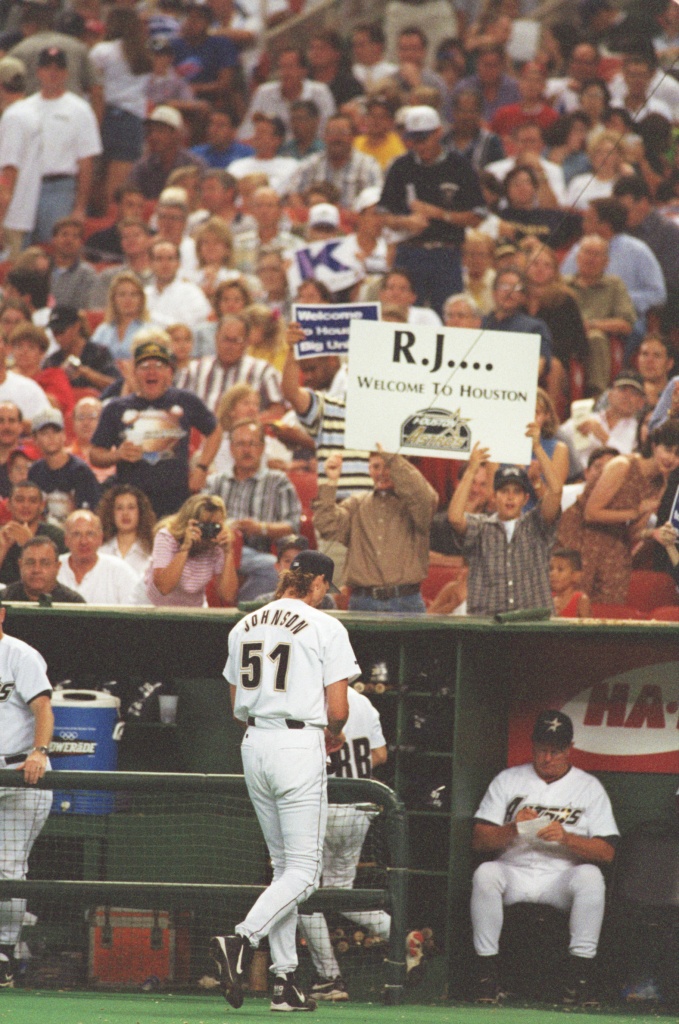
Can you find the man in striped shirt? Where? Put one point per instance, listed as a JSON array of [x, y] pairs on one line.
[[210, 376], [261, 503]]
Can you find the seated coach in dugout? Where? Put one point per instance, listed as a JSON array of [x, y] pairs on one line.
[[549, 825], [507, 551]]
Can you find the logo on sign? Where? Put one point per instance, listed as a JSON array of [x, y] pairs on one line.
[[635, 713], [62, 747], [436, 429]]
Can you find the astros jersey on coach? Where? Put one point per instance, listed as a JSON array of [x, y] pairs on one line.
[[22, 678], [577, 800], [277, 652]]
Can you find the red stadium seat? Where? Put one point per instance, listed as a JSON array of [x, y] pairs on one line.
[[306, 485], [306, 529], [436, 579], [617, 611], [617, 355], [648, 590], [94, 317], [666, 613]]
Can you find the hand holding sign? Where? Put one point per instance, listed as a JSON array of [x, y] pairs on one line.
[[478, 457]]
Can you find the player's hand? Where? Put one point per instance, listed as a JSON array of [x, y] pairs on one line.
[[478, 456], [128, 451], [526, 814], [333, 743], [34, 766], [553, 833], [333, 468], [192, 535]]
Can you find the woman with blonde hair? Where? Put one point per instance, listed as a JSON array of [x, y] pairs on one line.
[[214, 250], [128, 521], [606, 157], [242, 402], [191, 548], [125, 314], [265, 335]]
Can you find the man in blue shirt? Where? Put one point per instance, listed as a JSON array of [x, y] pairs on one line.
[[221, 147], [508, 295], [206, 62]]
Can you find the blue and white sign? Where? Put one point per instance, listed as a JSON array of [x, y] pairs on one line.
[[327, 327], [333, 262], [674, 512]]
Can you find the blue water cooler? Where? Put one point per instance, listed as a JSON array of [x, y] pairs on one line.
[[84, 727]]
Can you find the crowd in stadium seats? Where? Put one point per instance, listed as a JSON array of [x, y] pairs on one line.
[[501, 164]]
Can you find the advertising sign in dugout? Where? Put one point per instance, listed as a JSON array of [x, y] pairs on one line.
[[327, 327], [440, 390]]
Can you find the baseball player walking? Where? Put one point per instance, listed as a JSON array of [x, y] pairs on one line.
[[364, 748], [551, 824], [288, 668], [26, 725]]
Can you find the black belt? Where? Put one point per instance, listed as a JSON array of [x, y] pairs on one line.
[[58, 177], [291, 723], [386, 593], [15, 758]]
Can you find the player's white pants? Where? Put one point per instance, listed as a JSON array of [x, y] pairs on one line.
[[579, 889], [285, 772], [347, 828], [23, 813]]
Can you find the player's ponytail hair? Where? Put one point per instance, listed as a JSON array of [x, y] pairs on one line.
[[296, 581]]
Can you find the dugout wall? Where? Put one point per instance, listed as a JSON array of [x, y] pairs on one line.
[[457, 699]]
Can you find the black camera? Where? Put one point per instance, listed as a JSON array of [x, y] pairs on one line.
[[210, 531]]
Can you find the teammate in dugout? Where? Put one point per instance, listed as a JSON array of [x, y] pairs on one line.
[[551, 824], [26, 725], [288, 668], [364, 749]]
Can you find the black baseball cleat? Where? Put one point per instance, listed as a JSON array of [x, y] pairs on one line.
[[329, 990], [233, 955], [287, 996], [6, 971], [578, 989], [488, 989]]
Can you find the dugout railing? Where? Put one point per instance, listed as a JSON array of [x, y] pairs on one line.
[[155, 840]]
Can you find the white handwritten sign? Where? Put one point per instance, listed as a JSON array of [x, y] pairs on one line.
[[437, 391]]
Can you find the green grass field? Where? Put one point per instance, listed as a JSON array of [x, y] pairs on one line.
[[22, 1007]]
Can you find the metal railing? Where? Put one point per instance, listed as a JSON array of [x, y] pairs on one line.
[[340, 791]]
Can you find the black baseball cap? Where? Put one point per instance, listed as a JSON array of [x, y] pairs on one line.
[[317, 563], [52, 55], [61, 318], [553, 728], [152, 350], [511, 475]]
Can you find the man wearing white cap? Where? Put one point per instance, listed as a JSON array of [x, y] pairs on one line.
[[164, 152], [430, 197], [323, 222]]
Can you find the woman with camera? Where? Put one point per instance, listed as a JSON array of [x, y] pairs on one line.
[[190, 548]]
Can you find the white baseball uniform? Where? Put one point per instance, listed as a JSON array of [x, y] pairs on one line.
[[23, 812], [531, 870], [346, 831], [281, 658]]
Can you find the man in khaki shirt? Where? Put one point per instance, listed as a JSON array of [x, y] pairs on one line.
[[386, 532], [605, 306]]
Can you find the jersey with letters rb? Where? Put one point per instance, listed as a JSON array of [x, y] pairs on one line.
[[281, 658], [577, 800], [23, 677], [363, 734]]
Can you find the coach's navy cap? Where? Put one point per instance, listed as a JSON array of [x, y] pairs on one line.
[[511, 475], [317, 563], [553, 728]]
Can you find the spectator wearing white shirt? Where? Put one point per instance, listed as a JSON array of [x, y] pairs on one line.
[[28, 396], [529, 146], [397, 290], [368, 45], [100, 579], [169, 299], [128, 521], [636, 93], [172, 214], [267, 139], [274, 99]]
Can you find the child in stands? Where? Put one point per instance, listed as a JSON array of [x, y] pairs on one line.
[[565, 569]]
